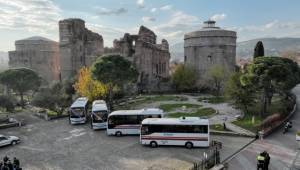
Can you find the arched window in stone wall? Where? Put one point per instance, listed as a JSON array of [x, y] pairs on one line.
[[209, 59]]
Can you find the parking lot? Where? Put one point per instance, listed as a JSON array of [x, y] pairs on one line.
[[57, 145]]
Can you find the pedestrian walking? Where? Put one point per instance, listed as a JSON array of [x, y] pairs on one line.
[[267, 160], [260, 161]]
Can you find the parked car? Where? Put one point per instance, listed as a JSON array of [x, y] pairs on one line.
[[8, 140]]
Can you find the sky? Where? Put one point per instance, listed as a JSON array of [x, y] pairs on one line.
[[169, 19]]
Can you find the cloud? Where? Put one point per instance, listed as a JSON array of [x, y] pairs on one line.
[[218, 17], [105, 11], [153, 10], [179, 24], [166, 7], [140, 3], [148, 19], [273, 28], [37, 16]]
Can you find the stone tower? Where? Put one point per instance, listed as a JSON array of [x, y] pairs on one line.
[[79, 46], [209, 46], [39, 54]]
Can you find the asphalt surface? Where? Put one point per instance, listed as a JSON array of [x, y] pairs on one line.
[[283, 148], [56, 145]]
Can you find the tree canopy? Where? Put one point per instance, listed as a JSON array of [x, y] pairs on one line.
[[271, 74], [184, 78], [114, 69], [259, 50], [242, 95], [115, 72], [88, 87], [217, 74], [21, 80]]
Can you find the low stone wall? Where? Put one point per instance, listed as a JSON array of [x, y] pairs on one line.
[[9, 125], [225, 133]]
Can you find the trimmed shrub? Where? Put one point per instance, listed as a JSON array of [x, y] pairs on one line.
[[7, 102], [271, 120]]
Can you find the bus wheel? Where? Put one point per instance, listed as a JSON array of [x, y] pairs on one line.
[[153, 144], [118, 133], [189, 145]]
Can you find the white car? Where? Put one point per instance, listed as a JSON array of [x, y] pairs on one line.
[[8, 140]]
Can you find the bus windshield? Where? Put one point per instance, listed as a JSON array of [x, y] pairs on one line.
[[99, 116], [77, 112]]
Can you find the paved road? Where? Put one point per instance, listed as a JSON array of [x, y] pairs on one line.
[[57, 145], [283, 148]]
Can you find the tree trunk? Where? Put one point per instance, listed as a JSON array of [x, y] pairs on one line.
[[264, 106], [110, 97], [22, 99]]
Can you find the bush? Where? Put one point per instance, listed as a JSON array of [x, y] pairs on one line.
[[8, 103], [53, 98]]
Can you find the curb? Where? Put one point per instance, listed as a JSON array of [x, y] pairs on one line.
[[230, 134]]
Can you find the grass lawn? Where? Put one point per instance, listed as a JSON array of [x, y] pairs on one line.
[[218, 127], [213, 100], [165, 98], [246, 123], [199, 113], [150, 99], [170, 107], [51, 113]]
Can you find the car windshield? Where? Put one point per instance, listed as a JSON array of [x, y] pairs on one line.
[[77, 112]]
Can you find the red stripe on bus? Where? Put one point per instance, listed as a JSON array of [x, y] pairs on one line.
[[127, 127], [174, 138]]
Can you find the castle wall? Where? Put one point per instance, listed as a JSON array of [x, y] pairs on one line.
[[79, 46], [38, 55], [150, 59]]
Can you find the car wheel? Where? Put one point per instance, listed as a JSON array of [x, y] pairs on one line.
[[153, 144], [118, 134], [189, 145], [13, 143]]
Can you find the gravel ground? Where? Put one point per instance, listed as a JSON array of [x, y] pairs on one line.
[[56, 145]]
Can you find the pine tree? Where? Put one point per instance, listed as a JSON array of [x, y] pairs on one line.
[[259, 50]]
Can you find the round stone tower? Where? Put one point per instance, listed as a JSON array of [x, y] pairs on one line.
[[209, 46]]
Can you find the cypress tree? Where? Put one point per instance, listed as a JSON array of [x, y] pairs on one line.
[[259, 50]]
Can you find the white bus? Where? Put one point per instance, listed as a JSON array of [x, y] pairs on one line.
[[128, 122], [78, 111], [185, 131], [99, 115]]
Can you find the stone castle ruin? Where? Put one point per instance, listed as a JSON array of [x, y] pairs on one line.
[[209, 46], [39, 54], [78, 46], [150, 59]]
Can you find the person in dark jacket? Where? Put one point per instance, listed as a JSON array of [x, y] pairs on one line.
[[260, 161], [10, 165], [16, 163], [5, 167], [267, 160]]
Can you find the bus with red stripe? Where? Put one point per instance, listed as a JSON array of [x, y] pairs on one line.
[[184, 131], [128, 122]]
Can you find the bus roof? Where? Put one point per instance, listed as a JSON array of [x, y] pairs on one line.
[[176, 121], [150, 111], [99, 105], [80, 102]]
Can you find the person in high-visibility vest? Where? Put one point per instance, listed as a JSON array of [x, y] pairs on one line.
[[260, 161]]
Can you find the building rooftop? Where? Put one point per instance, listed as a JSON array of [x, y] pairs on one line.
[[36, 38]]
